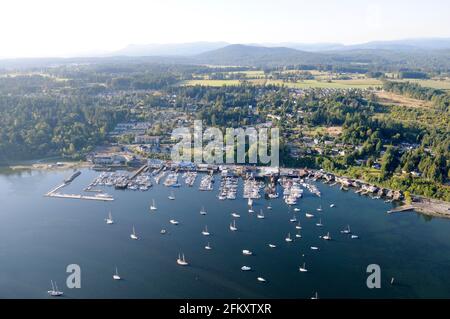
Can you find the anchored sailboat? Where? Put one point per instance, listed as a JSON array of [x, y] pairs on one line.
[[153, 205], [327, 236], [182, 261], [203, 211], [116, 275], [54, 292], [233, 226], [205, 232], [288, 238], [133, 235], [109, 220], [303, 268], [260, 215]]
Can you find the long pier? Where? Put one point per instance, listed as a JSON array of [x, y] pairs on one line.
[[77, 196], [54, 193]]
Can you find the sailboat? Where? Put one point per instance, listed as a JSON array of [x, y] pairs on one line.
[[172, 196], [109, 220], [246, 268], [293, 219], [250, 202], [250, 210], [153, 205], [133, 235], [296, 209], [327, 236], [298, 235], [316, 296], [116, 275], [261, 279], [272, 246], [346, 230], [246, 252], [320, 208], [235, 215], [303, 268], [208, 247], [314, 248], [173, 222], [288, 238], [54, 292], [332, 205], [182, 261], [298, 226], [233, 226], [354, 236], [269, 207], [205, 232], [260, 215], [308, 215], [203, 211], [319, 224]]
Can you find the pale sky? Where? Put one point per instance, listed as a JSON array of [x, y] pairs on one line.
[[36, 28]]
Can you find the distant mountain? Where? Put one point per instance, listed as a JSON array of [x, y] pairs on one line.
[[240, 54], [194, 48], [169, 49], [404, 45]]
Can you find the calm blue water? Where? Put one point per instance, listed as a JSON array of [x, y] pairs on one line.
[[40, 236]]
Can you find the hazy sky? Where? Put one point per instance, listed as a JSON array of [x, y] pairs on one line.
[[73, 27]]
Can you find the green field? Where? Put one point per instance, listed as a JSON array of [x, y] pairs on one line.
[[435, 84], [337, 84], [210, 82]]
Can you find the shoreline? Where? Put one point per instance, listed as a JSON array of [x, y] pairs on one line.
[[423, 205], [49, 166]]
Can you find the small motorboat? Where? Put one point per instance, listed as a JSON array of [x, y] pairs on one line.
[[247, 252], [246, 268], [272, 246], [261, 279], [173, 222]]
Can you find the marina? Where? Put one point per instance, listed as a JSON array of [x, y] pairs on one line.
[[276, 245]]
